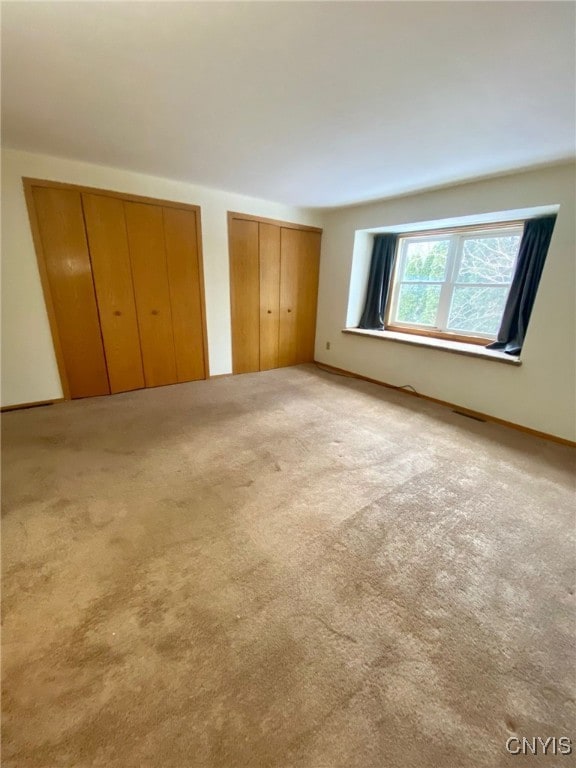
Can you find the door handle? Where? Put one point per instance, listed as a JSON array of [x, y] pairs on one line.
[[289, 310], [269, 311]]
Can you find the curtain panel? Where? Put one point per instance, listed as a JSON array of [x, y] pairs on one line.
[[531, 258], [379, 277]]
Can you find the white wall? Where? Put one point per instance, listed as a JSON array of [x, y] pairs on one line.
[[29, 371], [541, 393]]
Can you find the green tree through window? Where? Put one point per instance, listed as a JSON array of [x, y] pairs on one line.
[[456, 283]]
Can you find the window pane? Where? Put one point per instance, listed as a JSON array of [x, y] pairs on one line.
[[418, 304], [488, 259], [426, 261], [478, 309]]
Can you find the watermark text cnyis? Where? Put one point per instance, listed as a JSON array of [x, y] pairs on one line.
[[537, 745]]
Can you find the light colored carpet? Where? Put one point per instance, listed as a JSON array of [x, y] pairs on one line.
[[282, 570]]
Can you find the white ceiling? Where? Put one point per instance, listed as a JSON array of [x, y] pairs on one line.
[[312, 104]]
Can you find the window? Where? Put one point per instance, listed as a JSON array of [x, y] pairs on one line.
[[454, 284]]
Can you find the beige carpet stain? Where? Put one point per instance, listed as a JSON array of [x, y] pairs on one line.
[[282, 570]]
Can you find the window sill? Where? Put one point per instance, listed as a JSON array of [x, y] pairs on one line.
[[456, 347]]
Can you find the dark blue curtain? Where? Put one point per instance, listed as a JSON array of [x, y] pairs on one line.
[[531, 258], [378, 281]]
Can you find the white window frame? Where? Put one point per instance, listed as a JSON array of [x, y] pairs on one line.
[[449, 283]]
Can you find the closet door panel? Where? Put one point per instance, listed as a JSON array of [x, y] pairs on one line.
[[184, 279], [152, 292], [289, 268], [308, 274], [269, 295], [299, 267], [68, 268], [106, 228], [244, 295]]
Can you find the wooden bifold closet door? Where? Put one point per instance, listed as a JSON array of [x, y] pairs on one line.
[[122, 278], [269, 298], [300, 264], [244, 295], [146, 242], [273, 293], [73, 302], [112, 272], [186, 299]]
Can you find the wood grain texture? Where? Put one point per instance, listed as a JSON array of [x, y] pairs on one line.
[[481, 341], [202, 292], [244, 295], [108, 241], [277, 222], [269, 236], [185, 291], [299, 270], [48, 183], [45, 281], [65, 253], [152, 292]]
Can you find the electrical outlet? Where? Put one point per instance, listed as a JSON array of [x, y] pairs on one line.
[[327, 345]]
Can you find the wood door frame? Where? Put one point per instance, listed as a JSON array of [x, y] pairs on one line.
[[29, 184], [262, 220], [28, 181]]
